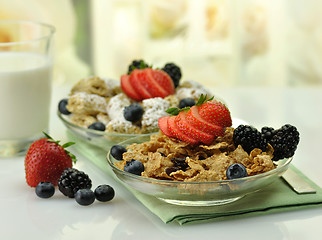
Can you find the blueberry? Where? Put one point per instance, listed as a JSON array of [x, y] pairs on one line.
[[186, 102], [236, 170], [85, 197], [117, 152], [45, 190], [99, 126], [62, 106], [133, 112], [104, 193], [134, 166]]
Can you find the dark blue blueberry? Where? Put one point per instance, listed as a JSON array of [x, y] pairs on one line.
[[104, 193], [134, 166], [186, 102], [85, 197], [133, 112], [117, 152], [45, 190], [62, 107], [99, 126], [236, 170]]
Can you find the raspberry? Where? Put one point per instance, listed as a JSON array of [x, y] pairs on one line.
[[137, 64], [284, 142], [174, 72], [249, 138], [72, 180]]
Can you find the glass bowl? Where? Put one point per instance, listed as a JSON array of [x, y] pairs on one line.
[[196, 193], [97, 138]]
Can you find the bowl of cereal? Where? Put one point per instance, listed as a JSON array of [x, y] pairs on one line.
[[203, 175]]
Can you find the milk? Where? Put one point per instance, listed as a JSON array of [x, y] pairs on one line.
[[25, 92]]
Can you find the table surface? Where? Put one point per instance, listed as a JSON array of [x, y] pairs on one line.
[[25, 216]]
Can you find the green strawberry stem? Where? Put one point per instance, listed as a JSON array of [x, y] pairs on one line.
[[175, 111], [72, 156]]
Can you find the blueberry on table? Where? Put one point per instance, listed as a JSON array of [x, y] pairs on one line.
[[62, 107], [45, 190], [117, 152], [85, 197], [134, 166], [99, 126], [236, 170], [186, 102], [104, 193], [133, 112]]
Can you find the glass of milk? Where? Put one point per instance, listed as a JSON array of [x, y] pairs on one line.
[[26, 61]]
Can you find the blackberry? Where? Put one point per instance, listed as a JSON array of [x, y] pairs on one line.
[[267, 133], [249, 138], [174, 72], [137, 64], [284, 142], [133, 112], [72, 180]]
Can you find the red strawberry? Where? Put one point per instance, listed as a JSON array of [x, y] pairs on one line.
[[128, 89], [163, 124], [46, 160], [215, 113], [162, 81], [137, 81], [195, 120], [176, 133], [191, 131], [147, 83]]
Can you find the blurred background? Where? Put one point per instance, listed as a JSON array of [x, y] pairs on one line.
[[215, 42]]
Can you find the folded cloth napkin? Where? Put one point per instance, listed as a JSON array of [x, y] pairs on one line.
[[277, 197]]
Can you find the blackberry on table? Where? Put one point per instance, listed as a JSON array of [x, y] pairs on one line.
[[174, 72], [72, 180], [249, 138], [284, 142], [137, 64]]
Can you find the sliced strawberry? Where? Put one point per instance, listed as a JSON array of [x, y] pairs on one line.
[[191, 131], [152, 85], [163, 125], [176, 133], [128, 89], [215, 113], [137, 82], [195, 120], [163, 81]]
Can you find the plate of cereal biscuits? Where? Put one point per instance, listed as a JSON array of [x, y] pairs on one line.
[[104, 111]]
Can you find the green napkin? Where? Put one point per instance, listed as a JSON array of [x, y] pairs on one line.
[[277, 197]]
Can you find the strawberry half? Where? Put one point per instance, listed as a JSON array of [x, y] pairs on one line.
[[198, 122], [163, 125], [191, 131], [177, 133], [147, 83], [215, 113], [46, 160], [128, 89]]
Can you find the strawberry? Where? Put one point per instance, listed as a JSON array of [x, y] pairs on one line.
[[163, 124], [201, 123], [215, 113], [128, 89], [195, 120], [137, 81], [46, 160], [147, 83], [191, 131], [176, 133]]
